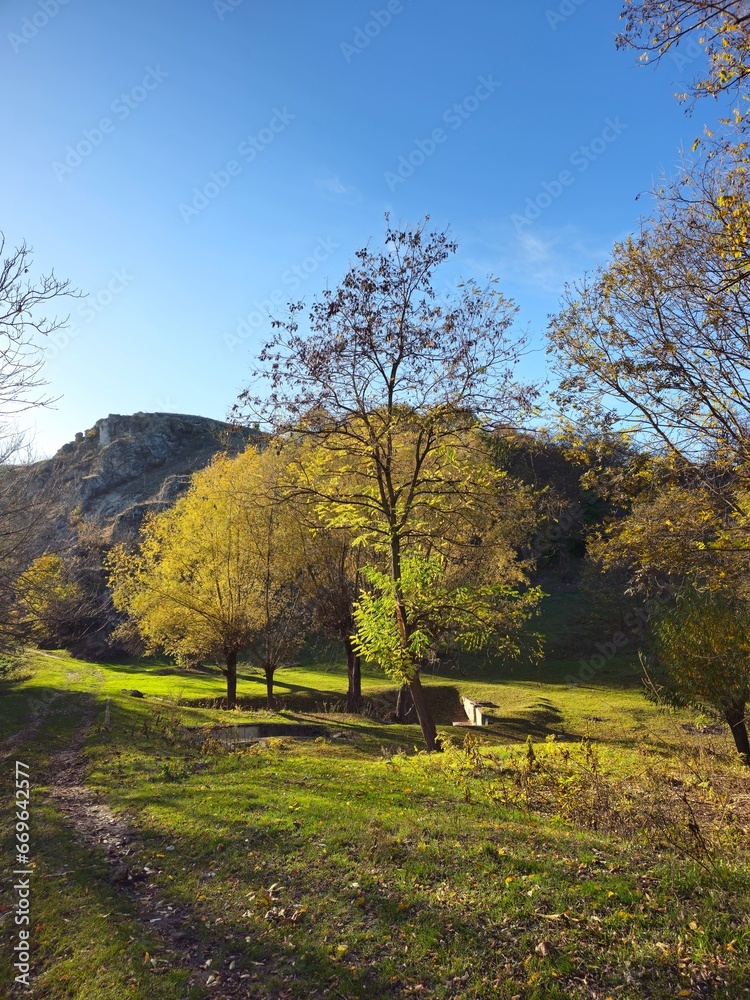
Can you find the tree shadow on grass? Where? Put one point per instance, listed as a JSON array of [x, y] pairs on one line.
[[543, 719], [411, 936], [158, 668], [25, 711], [621, 672], [232, 838], [372, 732]]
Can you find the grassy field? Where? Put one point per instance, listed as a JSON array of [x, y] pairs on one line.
[[353, 866]]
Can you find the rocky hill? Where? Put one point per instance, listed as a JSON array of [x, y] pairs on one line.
[[123, 468]]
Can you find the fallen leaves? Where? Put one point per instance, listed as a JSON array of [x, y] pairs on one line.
[[546, 949], [282, 915]]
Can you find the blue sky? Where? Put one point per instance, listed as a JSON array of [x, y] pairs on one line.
[[191, 164]]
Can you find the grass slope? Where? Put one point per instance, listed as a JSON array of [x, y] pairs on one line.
[[342, 867]]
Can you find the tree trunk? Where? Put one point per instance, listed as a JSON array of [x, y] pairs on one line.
[[269, 687], [231, 675], [735, 716], [354, 674], [404, 704], [427, 723]]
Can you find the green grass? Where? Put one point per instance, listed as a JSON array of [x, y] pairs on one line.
[[388, 882]]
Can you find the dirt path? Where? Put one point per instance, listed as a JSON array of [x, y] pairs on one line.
[[174, 928]]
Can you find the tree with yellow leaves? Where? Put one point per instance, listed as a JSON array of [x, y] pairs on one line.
[[702, 643], [460, 523], [210, 577], [50, 605], [678, 530], [331, 581]]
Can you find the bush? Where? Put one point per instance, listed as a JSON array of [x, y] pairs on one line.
[[695, 807], [14, 667]]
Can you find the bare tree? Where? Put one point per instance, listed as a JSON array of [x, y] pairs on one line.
[[394, 386], [23, 325], [22, 297], [658, 340]]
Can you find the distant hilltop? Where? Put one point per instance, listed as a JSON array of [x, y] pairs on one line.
[[166, 427], [125, 467]]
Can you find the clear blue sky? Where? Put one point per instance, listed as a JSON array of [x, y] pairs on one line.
[[114, 114]]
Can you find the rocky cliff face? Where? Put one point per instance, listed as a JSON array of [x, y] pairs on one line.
[[124, 467]]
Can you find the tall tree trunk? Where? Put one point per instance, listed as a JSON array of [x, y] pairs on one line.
[[427, 723], [231, 675], [404, 704], [735, 716], [354, 675], [269, 687]]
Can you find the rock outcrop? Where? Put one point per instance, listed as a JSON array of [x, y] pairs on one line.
[[125, 467]]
